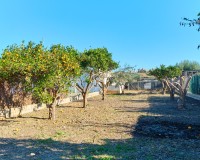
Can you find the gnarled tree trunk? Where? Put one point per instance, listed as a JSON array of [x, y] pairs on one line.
[[163, 87], [182, 87]]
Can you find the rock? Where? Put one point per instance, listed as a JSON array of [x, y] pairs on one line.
[[32, 154]]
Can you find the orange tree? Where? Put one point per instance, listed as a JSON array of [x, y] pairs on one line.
[[52, 73], [13, 74], [44, 73], [93, 63]]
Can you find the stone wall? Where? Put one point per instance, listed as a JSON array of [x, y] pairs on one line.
[[15, 112]]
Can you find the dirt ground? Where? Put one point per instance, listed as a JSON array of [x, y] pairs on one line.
[[137, 125]]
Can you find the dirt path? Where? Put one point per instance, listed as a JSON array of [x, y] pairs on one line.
[[104, 130]]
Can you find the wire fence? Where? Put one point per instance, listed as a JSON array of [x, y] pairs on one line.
[[195, 84], [150, 84]]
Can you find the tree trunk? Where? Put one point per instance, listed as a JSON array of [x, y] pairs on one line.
[[181, 103], [52, 110], [120, 89], [163, 88], [172, 94], [84, 100], [182, 100], [103, 92]]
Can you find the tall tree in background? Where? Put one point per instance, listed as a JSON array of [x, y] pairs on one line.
[[187, 65]]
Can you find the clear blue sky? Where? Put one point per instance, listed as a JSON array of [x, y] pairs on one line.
[[145, 33]]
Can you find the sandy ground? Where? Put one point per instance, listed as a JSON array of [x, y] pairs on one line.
[[104, 130]]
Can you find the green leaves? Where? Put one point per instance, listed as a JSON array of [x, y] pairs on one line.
[[40, 70], [126, 74], [165, 72], [187, 65], [98, 59]]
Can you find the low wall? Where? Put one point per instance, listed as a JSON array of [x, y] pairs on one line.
[[15, 112], [194, 96]]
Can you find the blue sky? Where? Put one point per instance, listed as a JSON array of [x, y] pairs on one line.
[[145, 33]]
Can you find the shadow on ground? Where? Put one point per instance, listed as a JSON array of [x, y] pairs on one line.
[[140, 148], [163, 132], [49, 149], [164, 120]]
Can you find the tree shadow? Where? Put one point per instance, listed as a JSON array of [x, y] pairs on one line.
[[6, 122], [135, 100], [140, 148], [69, 106], [49, 149], [160, 127], [32, 117], [162, 105], [162, 119]]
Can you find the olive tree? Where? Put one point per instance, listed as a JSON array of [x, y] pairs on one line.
[[187, 65], [175, 81], [124, 75]]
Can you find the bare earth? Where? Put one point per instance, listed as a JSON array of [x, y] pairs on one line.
[[142, 126]]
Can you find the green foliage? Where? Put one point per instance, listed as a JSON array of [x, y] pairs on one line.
[[187, 65], [98, 59], [38, 70], [123, 75], [192, 22], [92, 62], [164, 72]]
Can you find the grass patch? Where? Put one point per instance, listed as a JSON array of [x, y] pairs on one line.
[[59, 134], [45, 141]]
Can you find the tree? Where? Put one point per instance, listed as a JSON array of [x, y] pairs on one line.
[[187, 65], [44, 73], [166, 75], [13, 77], [104, 76], [192, 22], [52, 74], [93, 62], [124, 75], [174, 80], [181, 85], [160, 74]]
